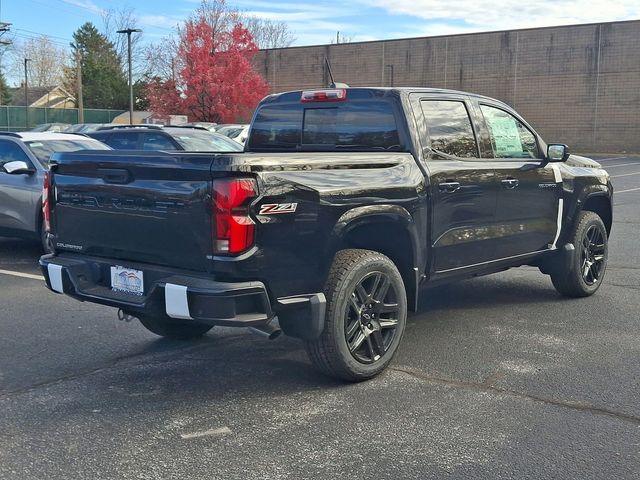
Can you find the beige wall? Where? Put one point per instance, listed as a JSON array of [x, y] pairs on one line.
[[576, 84]]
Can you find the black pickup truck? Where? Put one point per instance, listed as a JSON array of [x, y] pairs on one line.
[[345, 203]]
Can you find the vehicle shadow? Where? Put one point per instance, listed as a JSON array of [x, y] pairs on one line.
[[20, 252], [489, 292], [235, 361]]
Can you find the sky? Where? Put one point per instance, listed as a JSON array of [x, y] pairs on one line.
[[317, 21]]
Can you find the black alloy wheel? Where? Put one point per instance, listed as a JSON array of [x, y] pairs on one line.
[[592, 255], [366, 314], [584, 274], [371, 318]]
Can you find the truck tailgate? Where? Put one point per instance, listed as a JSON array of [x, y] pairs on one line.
[[150, 207]]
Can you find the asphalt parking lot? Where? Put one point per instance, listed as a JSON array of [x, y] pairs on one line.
[[498, 377]]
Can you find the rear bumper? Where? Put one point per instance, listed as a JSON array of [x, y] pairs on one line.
[[167, 292]]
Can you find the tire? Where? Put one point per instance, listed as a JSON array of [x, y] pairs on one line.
[[175, 329], [366, 316], [47, 247], [589, 237]]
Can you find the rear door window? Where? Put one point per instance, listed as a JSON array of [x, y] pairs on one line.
[[156, 141], [123, 140], [357, 126], [449, 128], [509, 137]]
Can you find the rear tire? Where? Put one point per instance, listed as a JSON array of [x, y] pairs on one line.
[[365, 318], [175, 329], [585, 276], [47, 247]]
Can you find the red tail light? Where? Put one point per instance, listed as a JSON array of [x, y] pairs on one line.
[[332, 95], [46, 205], [234, 231]]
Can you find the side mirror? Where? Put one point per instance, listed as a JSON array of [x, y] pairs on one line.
[[18, 167], [557, 152]]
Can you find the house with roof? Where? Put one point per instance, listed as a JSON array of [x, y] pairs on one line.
[[43, 97]]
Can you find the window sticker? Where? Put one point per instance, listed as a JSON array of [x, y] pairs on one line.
[[506, 136]]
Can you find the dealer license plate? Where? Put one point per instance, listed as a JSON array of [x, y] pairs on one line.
[[127, 280]]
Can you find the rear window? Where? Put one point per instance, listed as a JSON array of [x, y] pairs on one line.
[[359, 126], [43, 149], [201, 141]]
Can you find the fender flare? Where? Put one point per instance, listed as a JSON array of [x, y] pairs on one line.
[[371, 214], [588, 194]]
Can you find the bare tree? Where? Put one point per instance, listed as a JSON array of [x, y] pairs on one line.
[[269, 33], [341, 38], [47, 61], [121, 19], [161, 59]]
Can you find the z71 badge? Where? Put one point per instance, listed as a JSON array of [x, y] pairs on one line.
[[273, 208]]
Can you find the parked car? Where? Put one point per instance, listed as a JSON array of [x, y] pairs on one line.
[[165, 138], [346, 203], [208, 125], [24, 161], [51, 127], [230, 130], [85, 127], [241, 136]]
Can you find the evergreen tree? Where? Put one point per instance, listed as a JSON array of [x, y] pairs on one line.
[[104, 82]]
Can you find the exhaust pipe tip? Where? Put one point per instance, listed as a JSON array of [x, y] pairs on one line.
[[270, 330]]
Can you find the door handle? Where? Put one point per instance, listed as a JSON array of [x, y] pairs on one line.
[[449, 187], [510, 183]]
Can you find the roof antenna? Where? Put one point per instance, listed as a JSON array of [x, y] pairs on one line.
[[333, 83]]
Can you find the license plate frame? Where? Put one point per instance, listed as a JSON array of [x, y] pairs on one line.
[[127, 280]]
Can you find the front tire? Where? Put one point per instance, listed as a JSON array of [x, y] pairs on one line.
[[175, 329], [585, 276], [366, 316]]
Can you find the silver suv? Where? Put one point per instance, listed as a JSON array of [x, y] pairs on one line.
[[24, 159]]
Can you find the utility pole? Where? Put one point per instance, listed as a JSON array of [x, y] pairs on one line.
[[129, 31], [80, 101], [4, 28], [26, 94]]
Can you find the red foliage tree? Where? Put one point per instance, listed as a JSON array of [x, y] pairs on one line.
[[215, 80]]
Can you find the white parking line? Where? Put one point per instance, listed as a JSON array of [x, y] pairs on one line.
[[625, 175], [21, 275], [215, 432], [623, 165], [627, 190], [610, 158]]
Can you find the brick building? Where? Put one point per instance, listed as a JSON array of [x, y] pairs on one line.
[[577, 84]]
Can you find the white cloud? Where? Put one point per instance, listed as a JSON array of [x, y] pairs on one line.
[[87, 5], [509, 14], [162, 21]]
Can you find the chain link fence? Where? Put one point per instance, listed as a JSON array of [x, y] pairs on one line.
[[14, 119]]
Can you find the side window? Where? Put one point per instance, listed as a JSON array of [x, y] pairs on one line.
[[449, 128], [10, 152], [509, 137], [122, 141], [156, 141]]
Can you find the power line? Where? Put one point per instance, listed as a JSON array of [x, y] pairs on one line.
[[24, 36], [42, 34]]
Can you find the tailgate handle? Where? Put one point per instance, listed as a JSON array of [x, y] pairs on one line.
[[114, 175]]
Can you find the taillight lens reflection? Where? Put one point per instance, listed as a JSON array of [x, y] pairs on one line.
[[46, 205]]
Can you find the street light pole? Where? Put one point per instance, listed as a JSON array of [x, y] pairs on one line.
[[26, 94], [129, 31]]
